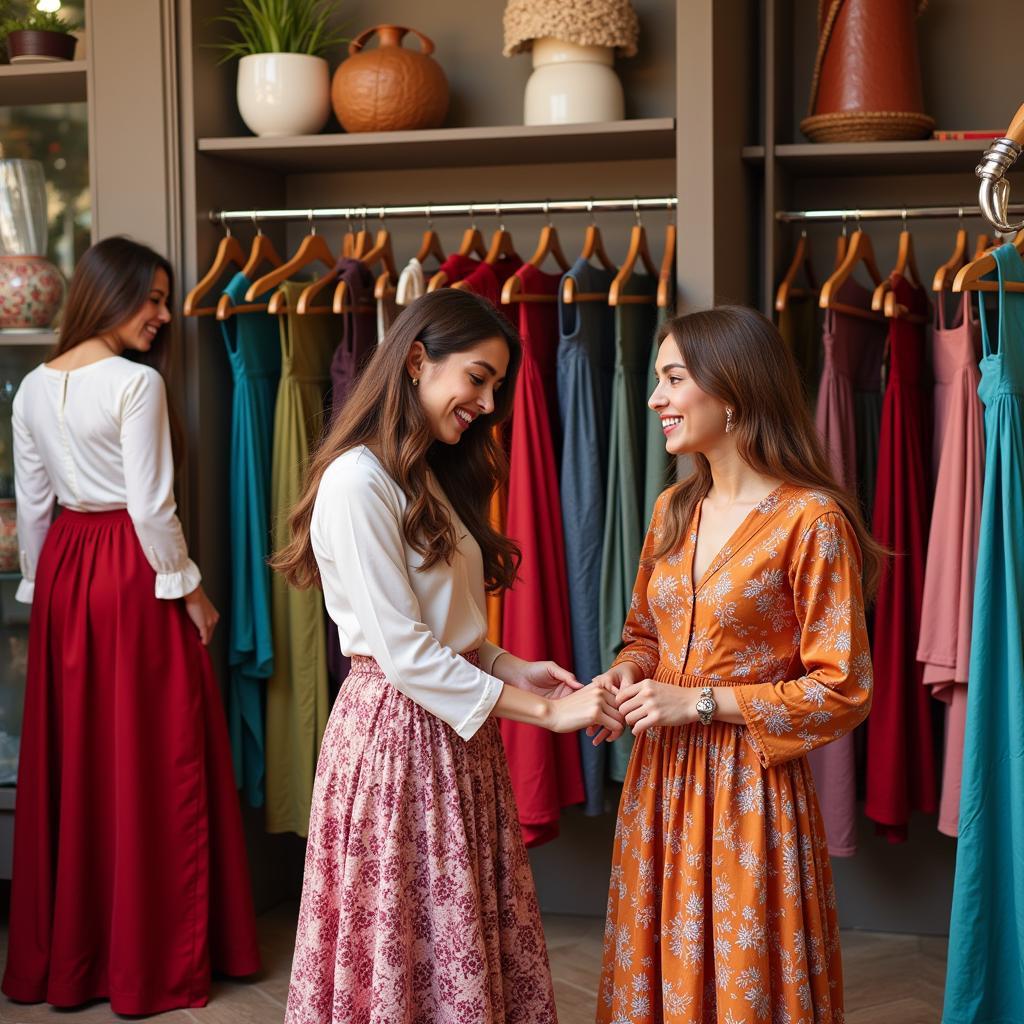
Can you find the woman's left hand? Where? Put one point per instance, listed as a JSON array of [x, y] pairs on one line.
[[546, 679], [649, 703]]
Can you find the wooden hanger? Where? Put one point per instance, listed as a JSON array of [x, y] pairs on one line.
[[472, 244], [261, 251], [501, 247], [547, 245], [981, 244], [311, 249], [228, 252], [906, 267], [968, 278], [593, 245], [637, 251], [801, 261], [430, 245], [388, 279], [666, 278], [858, 250], [305, 305], [943, 278]]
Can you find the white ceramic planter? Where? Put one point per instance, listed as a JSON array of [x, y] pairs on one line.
[[571, 84], [283, 93]]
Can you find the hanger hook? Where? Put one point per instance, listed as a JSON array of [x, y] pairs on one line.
[[590, 210], [472, 217], [226, 226], [803, 232], [904, 218], [501, 220], [547, 212], [430, 223], [856, 215], [312, 226], [844, 224], [671, 207], [636, 210], [255, 222], [959, 213]]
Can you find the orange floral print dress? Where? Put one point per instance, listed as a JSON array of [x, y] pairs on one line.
[[721, 908]]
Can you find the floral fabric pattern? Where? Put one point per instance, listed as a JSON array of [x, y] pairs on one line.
[[418, 904], [721, 908]]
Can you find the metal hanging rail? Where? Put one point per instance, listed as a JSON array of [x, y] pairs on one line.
[[489, 209], [886, 213]]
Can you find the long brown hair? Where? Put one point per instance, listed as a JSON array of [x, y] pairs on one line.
[[738, 356], [383, 409], [110, 284]]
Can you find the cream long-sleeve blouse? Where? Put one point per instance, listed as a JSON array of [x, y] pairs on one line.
[[415, 624], [97, 439]]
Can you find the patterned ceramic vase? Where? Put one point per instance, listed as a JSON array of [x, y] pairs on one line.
[[31, 291]]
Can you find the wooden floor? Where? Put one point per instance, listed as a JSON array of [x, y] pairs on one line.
[[890, 979]]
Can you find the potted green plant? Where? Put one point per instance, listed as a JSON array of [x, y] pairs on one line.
[[283, 79], [36, 36]]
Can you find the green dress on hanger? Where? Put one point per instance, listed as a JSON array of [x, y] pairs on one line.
[[659, 466], [624, 523], [297, 706]]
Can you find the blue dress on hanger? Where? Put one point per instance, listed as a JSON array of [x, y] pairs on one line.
[[254, 349], [985, 971]]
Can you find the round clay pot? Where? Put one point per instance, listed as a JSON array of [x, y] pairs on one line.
[[389, 89], [31, 291], [283, 93], [30, 46]]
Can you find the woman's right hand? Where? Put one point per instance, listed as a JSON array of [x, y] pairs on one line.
[[623, 674], [592, 707], [202, 613]]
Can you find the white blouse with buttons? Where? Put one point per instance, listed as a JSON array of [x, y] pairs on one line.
[[97, 439], [414, 623]]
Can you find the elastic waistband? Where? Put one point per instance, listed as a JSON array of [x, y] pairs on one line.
[[363, 665], [71, 517], [664, 674]]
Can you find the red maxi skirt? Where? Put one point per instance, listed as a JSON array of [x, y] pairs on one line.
[[130, 875]]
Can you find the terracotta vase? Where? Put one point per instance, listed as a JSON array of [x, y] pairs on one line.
[[867, 84], [390, 88], [31, 291]]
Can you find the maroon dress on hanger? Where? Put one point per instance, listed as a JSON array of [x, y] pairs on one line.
[[489, 278], [901, 755], [546, 771]]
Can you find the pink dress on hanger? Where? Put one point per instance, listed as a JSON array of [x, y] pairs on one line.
[[948, 604]]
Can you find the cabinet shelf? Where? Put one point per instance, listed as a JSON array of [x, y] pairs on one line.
[[28, 336], [27, 84], [643, 139], [839, 159]]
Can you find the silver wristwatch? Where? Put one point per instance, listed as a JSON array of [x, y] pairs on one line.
[[706, 706]]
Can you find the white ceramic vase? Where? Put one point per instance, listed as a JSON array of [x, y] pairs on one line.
[[571, 84], [283, 93]]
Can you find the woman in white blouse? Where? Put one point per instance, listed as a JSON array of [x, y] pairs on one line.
[[130, 876], [418, 903]]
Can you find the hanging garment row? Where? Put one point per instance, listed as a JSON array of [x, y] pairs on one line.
[[586, 462], [903, 426]]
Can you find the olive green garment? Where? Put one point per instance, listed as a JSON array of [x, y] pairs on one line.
[[624, 523], [659, 466], [297, 705]]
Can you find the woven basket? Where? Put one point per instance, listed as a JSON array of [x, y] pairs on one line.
[[864, 126]]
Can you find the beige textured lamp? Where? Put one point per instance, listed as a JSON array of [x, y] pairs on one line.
[[573, 43]]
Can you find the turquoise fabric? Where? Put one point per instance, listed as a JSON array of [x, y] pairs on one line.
[[985, 972], [254, 350]]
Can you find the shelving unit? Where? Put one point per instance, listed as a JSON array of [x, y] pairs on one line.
[[505, 145], [59, 82], [27, 337]]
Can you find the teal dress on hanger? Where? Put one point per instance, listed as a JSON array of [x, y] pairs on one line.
[[254, 350], [985, 971]]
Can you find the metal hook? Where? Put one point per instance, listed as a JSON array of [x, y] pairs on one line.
[[903, 216], [590, 210], [312, 226], [255, 222], [959, 213], [844, 225], [430, 223], [803, 232], [636, 209], [547, 212], [501, 220], [472, 217]]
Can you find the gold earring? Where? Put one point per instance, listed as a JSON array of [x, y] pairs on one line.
[[728, 420], [415, 381]]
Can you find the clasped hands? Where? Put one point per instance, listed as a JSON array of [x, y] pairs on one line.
[[616, 700]]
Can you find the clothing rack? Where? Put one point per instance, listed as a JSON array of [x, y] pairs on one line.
[[885, 213], [429, 210]]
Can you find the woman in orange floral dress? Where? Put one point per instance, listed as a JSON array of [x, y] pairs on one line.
[[745, 648]]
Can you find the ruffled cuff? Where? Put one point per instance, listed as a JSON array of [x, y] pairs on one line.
[[172, 585], [26, 591]]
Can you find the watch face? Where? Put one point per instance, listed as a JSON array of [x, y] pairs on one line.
[[706, 705]]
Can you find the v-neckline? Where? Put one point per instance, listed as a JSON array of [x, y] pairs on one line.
[[734, 540]]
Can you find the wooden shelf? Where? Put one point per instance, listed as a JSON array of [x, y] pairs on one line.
[[838, 159], [650, 138], [26, 84], [28, 337], [753, 155]]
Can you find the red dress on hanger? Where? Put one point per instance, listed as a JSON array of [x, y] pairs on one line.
[[901, 754], [545, 767]]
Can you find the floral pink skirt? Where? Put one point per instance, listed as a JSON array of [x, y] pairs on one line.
[[418, 905]]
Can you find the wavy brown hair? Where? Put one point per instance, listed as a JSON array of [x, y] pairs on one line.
[[384, 410], [109, 286], [738, 356]]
